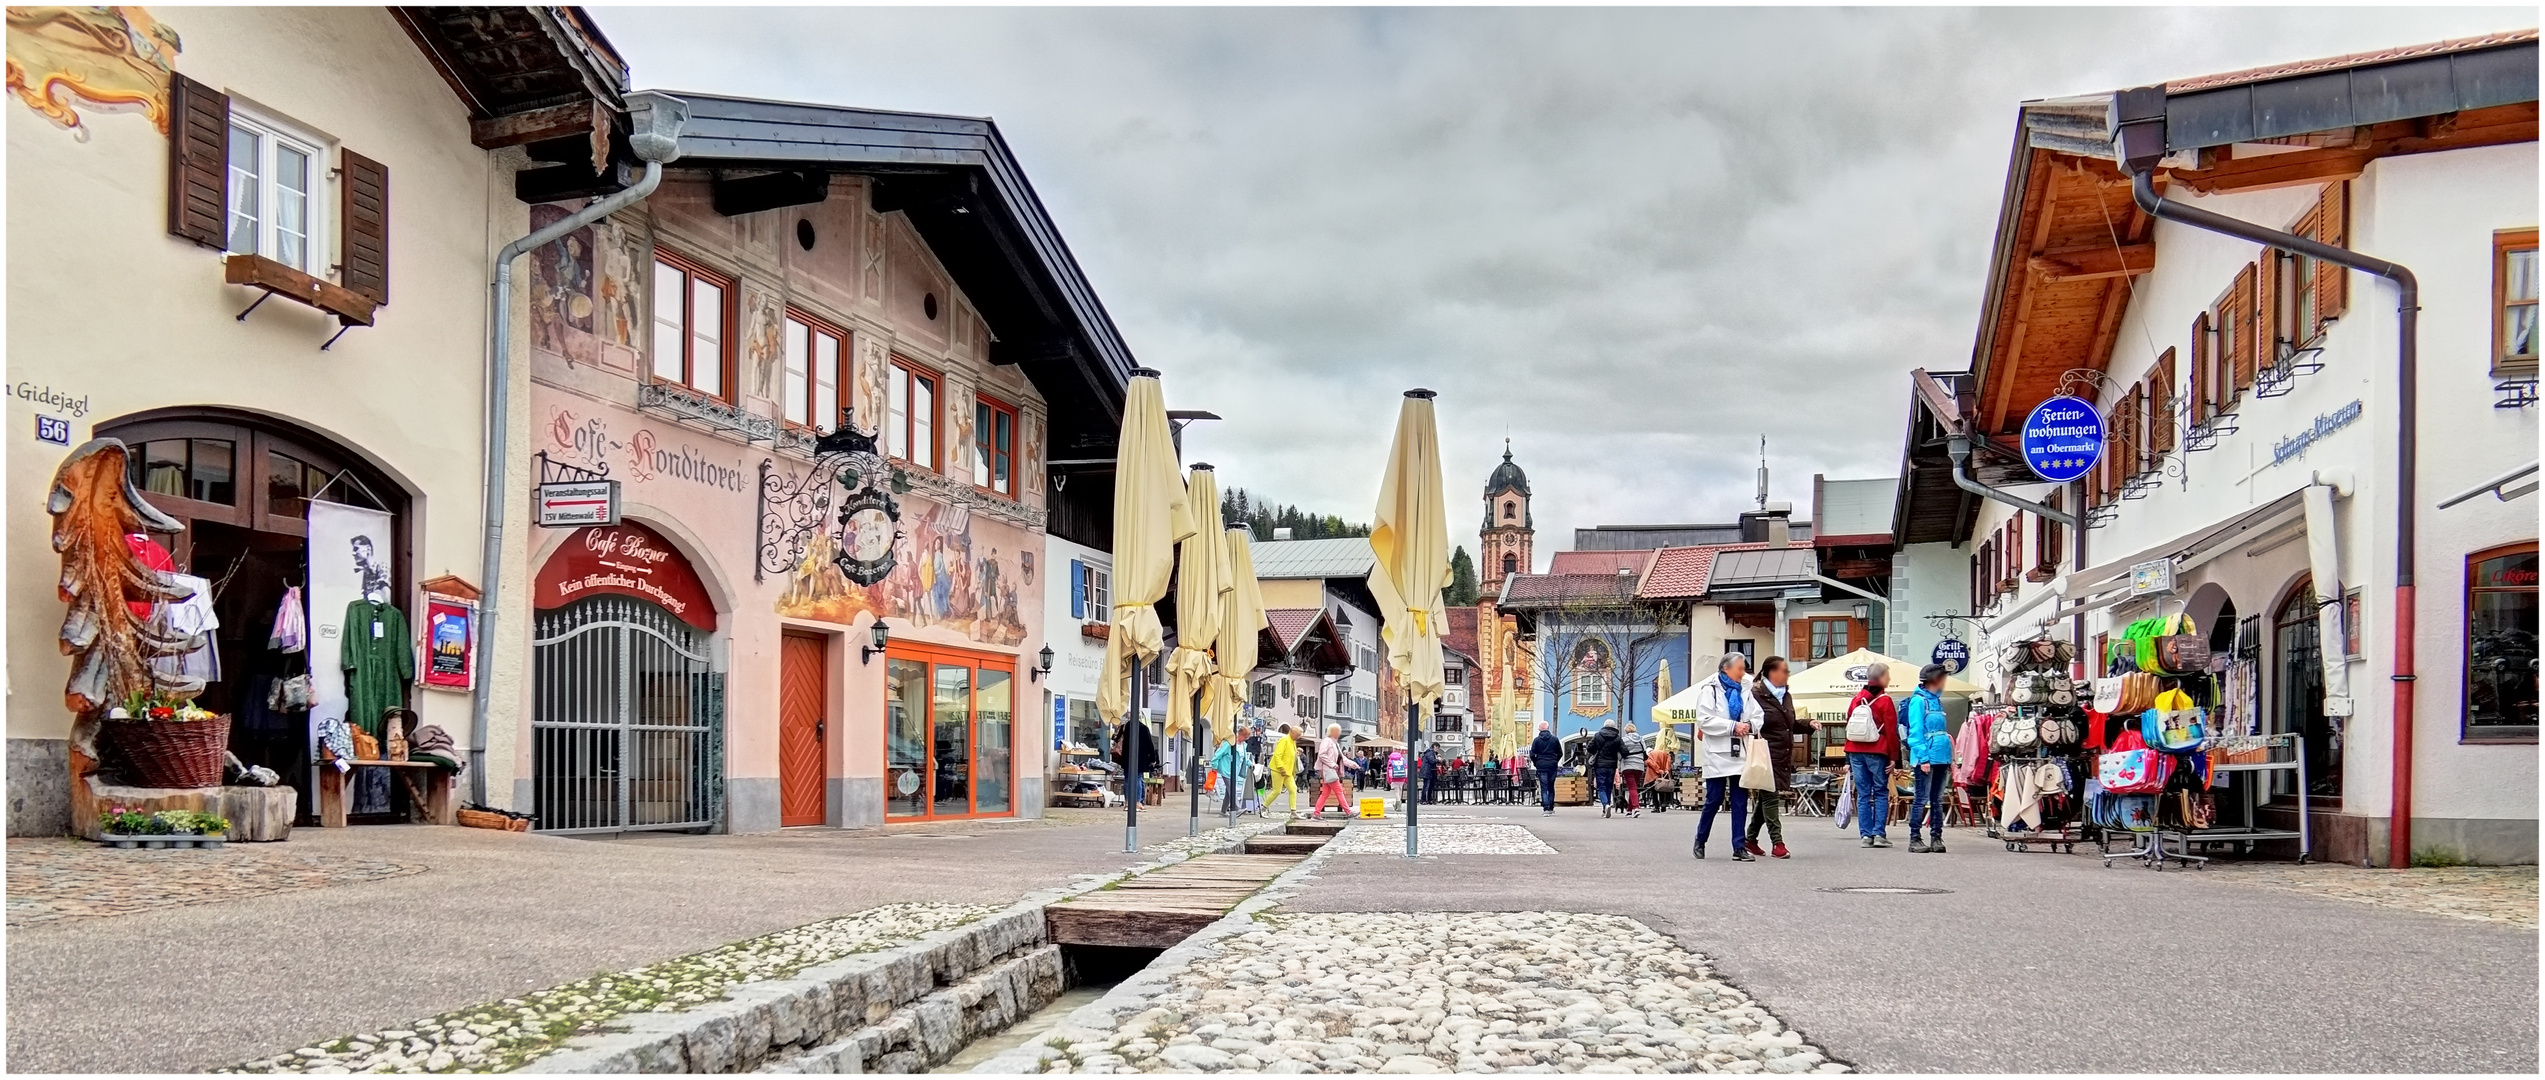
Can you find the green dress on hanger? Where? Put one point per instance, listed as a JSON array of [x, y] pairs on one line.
[[379, 660]]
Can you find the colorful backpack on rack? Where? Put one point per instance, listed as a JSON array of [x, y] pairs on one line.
[[2133, 769], [2173, 724]]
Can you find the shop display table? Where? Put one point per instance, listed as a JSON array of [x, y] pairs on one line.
[[428, 783]]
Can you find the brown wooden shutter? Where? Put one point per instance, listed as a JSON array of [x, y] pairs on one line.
[[1857, 631], [2267, 331], [2160, 403], [2332, 225], [2201, 411], [1798, 639], [366, 217], [2248, 326], [2015, 545], [2055, 542], [198, 162]]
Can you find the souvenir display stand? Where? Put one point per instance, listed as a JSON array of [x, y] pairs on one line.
[[2034, 745]]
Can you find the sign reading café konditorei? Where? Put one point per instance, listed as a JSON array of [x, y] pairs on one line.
[[630, 560]]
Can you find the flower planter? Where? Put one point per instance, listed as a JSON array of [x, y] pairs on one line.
[[143, 840], [171, 753]]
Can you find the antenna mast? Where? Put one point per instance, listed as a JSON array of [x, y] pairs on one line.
[[1762, 473]]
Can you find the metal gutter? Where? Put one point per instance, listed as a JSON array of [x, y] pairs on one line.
[[2139, 136], [655, 121], [1960, 449]]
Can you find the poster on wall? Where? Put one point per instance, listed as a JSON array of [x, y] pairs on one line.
[[450, 643], [350, 553]]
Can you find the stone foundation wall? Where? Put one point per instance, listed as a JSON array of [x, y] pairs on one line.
[[39, 787]]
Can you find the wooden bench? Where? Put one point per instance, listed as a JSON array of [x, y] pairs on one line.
[[428, 783]]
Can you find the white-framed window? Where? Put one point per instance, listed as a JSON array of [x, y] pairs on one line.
[[1098, 585], [1591, 674], [811, 396], [910, 422], [1342, 700], [277, 188]]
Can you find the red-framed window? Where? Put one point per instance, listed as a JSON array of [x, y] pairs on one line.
[[813, 355], [910, 414], [993, 446], [693, 319]]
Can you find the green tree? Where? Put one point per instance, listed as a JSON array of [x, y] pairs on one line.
[[1462, 579]]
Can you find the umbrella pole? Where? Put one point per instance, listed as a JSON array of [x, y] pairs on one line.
[[1413, 776], [1193, 784], [1130, 760]]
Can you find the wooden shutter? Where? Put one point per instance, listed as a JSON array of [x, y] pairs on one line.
[[198, 162], [366, 223], [1858, 632], [1798, 640], [2242, 355], [2160, 403], [2015, 544], [1077, 589], [2267, 328], [2055, 537], [2201, 410], [2332, 225]]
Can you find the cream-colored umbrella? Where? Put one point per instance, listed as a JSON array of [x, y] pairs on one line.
[[1506, 724], [1668, 740], [1241, 618], [1834, 682], [1411, 538], [1201, 597], [1149, 519]]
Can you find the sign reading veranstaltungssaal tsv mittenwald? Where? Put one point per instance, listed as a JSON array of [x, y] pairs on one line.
[[2062, 439], [579, 503]]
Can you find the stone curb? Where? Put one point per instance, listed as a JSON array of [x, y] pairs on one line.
[[1097, 1018], [758, 1022]]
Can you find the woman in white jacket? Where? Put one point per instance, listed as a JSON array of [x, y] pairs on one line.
[[1726, 710]]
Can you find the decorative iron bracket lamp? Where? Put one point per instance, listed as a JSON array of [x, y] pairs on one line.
[[1036, 674], [881, 635]]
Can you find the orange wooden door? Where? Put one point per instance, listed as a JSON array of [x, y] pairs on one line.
[[803, 711]]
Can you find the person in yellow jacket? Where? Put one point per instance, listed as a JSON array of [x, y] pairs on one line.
[[1285, 772]]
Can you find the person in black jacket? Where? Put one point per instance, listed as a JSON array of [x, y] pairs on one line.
[[1546, 755], [1778, 728], [1137, 750], [1606, 747]]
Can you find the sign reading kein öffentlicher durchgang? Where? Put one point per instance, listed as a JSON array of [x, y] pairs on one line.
[[579, 503], [2062, 439]]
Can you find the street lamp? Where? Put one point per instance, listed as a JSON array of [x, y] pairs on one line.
[[881, 635], [1036, 674]]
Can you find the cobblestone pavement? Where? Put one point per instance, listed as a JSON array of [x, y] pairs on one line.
[[1452, 839], [1531, 992], [499, 1036], [56, 878], [2501, 894]]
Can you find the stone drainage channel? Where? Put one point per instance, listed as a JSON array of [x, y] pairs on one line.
[[916, 1007]]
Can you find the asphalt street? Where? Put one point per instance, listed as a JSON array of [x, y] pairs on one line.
[[2029, 962]]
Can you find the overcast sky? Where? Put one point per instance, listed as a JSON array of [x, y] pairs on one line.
[[1631, 241]]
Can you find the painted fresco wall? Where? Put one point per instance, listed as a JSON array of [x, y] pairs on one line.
[[968, 568]]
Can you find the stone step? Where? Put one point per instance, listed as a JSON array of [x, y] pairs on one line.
[[1284, 845], [1312, 828]]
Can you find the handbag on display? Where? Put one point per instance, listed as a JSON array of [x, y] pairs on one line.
[[2182, 654], [2107, 695], [2019, 690], [2173, 724], [2131, 768], [2018, 736]]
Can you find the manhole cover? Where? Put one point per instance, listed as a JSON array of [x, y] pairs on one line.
[[1884, 890]]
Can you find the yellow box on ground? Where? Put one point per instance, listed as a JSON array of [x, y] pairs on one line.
[[1374, 807]]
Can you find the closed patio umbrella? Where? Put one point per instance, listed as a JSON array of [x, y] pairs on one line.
[[1668, 739], [1201, 589], [1411, 538], [1149, 518], [1241, 618]]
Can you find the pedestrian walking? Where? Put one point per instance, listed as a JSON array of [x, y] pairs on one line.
[[1630, 768], [1725, 712], [1930, 752], [1137, 750], [1605, 750], [1332, 763], [1657, 772], [1228, 763], [1285, 772], [1778, 727], [1546, 755], [1873, 742]]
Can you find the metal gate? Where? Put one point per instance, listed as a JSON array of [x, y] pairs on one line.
[[628, 731]]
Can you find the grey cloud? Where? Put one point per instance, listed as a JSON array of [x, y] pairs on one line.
[[1630, 239]]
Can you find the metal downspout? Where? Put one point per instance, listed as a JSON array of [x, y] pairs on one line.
[[2408, 333], [1959, 447], [655, 120]]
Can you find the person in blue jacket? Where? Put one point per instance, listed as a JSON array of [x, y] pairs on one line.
[[1929, 747], [1546, 755]]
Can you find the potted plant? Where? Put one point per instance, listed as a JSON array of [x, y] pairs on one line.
[[168, 742], [127, 828]]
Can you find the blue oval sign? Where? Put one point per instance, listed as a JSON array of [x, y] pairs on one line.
[[2062, 439], [1953, 653]]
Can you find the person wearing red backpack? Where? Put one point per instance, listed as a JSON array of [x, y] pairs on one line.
[[1873, 743]]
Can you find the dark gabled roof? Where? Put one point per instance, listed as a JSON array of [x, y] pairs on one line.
[[1930, 508], [1530, 592], [507, 60], [956, 180]]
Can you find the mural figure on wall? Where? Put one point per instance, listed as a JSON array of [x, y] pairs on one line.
[[622, 252], [561, 292], [763, 341], [115, 59], [945, 573]]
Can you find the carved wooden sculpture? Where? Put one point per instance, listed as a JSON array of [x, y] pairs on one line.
[[94, 506]]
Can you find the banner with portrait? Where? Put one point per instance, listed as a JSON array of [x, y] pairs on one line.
[[352, 554]]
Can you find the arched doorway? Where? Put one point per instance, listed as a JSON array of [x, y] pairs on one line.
[[628, 712], [2298, 698], [243, 483]]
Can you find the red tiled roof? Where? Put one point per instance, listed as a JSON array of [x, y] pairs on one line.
[[1681, 573], [1289, 623], [1527, 590], [1460, 635], [2337, 63], [1597, 562]]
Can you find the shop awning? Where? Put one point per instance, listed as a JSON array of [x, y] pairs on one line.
[[2190, 550]]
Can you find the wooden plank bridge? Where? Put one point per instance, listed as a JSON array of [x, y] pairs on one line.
[[1160, 908]]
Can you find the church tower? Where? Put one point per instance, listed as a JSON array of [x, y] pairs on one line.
[[1508, 529]]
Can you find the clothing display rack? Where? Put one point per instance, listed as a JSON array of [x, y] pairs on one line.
[[2245, 835]]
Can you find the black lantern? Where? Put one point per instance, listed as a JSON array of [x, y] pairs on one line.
[[1038, 673], [882, 635]]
